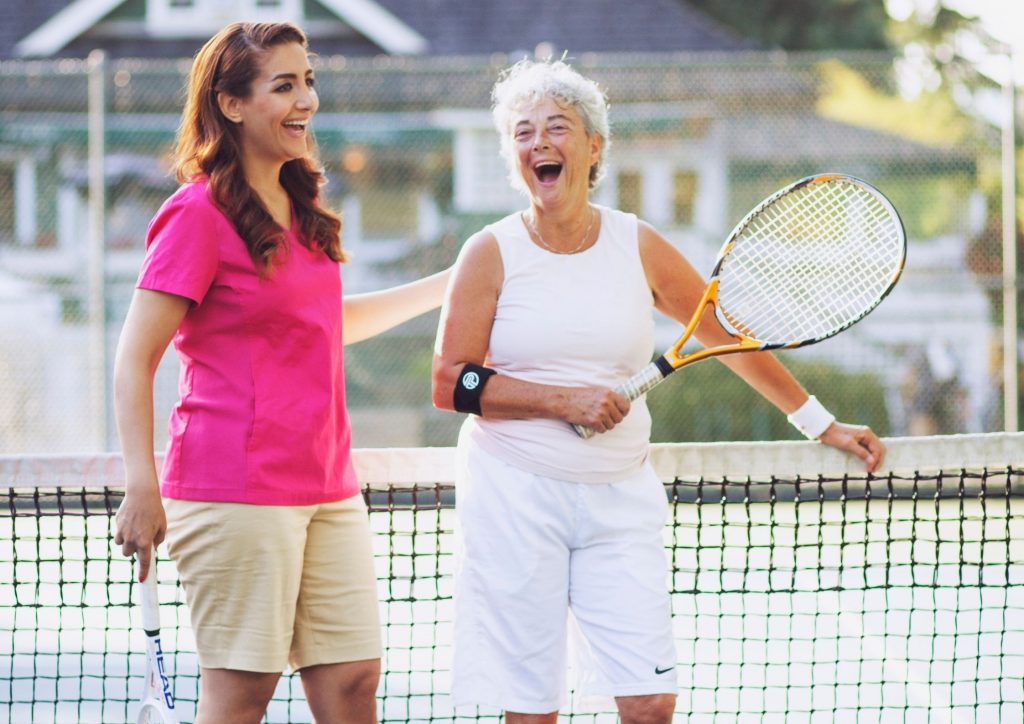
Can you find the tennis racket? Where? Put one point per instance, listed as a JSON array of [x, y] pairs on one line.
[[157, 700], [806, 263]]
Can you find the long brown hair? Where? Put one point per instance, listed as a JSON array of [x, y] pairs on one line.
[[209, 145]]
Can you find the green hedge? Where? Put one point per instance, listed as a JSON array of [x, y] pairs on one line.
[[706, 403]]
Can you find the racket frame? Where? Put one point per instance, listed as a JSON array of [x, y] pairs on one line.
[[157, 698], [672, 359]]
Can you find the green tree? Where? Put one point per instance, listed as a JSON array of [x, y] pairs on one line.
[[946, 48], [707, 402], [804, 24]]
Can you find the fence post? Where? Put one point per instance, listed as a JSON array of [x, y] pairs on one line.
[[1011, 394], [96, 265]]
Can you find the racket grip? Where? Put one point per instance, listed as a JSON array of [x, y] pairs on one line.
[[631, 389], [642, 381], [149, 600]]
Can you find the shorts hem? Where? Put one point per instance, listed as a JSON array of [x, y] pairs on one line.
[[505, 704], [368, 651], [598, 701], [642, 689], [239, 661]]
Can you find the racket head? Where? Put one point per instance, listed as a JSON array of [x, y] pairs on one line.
[[809, 261]]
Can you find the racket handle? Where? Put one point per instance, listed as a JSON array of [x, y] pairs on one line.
[[631, 389], [644, 380], [148, 598]]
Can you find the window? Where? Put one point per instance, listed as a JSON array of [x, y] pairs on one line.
[[191, 18], [631, 189], [6, 205], [684, 192], [388, 213]]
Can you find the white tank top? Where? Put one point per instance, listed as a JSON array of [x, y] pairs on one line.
[[572, 320]]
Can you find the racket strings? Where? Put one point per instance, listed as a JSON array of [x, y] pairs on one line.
[[810, 263]]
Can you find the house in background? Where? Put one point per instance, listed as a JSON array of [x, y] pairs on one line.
[[404, 125], [415, 28], [413, 92], [704, 125]]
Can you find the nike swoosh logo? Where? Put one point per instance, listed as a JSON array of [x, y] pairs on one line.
[[659, 671]]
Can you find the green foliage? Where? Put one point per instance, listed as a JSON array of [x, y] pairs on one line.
[[392, 369], [804, 24], [440, 253], [932, 117], [940, 35], [933, 205], [708, 403]]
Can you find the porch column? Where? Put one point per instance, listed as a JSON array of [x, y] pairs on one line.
[[26, 221]]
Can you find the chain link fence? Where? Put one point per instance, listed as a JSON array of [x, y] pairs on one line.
[[413, 166]]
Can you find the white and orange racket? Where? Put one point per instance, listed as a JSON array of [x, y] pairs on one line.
[[157, 699], [806, 263]]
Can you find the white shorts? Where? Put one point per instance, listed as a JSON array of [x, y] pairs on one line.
[[538, 559]]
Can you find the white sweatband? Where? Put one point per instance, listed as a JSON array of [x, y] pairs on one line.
[[811, 418]]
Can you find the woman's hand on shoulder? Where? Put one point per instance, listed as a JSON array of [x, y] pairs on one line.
[[859, 440]]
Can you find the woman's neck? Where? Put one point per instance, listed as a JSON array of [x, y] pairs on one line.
[[564, 218], [566, 230], [274, 197]]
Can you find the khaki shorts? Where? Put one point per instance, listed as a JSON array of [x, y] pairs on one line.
[[276, 586]]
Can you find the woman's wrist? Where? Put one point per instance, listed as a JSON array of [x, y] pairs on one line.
[[811, 418]]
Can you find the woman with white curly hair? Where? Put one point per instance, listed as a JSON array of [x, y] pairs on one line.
[[548, 310]]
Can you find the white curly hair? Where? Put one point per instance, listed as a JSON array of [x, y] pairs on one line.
[[531, 81]]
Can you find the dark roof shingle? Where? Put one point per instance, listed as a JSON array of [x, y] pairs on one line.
[[18, 18], [455, 27], [452, 27]]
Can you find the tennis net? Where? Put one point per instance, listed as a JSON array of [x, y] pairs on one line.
[[803, 589]]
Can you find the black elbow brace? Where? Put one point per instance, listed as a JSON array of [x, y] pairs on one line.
[[469, 387]]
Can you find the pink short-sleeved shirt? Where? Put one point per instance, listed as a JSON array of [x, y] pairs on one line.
[[261, 417]]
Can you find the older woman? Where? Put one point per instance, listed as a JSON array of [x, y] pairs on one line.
[[548, 310]]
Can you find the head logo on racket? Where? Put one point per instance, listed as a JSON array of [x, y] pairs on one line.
[[157, 700]]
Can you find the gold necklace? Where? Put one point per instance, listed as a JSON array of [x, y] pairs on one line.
[[586, 234]]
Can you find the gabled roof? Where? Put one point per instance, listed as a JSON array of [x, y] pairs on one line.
[[77, 17], [460, 27], [66, 25], [379, 25], [47, 28], [18, 19]]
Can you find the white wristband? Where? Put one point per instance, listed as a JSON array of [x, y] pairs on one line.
[[811, 418]]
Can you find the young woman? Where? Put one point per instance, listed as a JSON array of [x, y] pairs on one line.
[[258, 498]]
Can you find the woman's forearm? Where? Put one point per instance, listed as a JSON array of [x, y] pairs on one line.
[[149, 326], [367, 315], [133, 412], [769, 377]]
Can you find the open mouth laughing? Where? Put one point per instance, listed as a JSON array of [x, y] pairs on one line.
[[547, 172]]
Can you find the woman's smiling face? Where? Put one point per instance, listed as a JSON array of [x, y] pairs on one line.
[[274, 117], [553, 151]]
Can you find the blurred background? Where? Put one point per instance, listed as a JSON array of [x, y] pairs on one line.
[[715, 104]]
